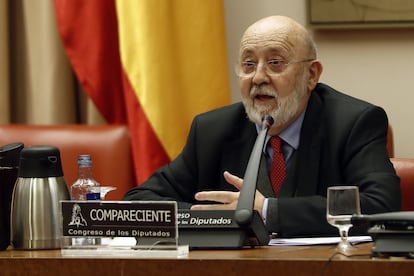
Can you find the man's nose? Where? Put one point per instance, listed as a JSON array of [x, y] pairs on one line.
[[260, 75]]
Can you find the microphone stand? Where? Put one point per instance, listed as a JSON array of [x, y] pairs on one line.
[[245, 205]]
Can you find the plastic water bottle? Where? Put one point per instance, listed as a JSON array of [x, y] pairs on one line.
[[82, 188]]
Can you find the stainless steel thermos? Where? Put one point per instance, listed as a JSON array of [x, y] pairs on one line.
[[36, 199], [9, 162]]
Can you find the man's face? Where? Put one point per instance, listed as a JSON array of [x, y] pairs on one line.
[[278, 86]]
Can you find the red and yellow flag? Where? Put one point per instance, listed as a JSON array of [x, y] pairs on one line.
[[153, 64]]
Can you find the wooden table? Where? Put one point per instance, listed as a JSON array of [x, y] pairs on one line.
[[269, 260]]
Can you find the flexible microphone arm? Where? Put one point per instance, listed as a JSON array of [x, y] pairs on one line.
[[245, 205]]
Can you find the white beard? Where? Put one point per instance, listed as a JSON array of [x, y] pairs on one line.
[[286, 107]]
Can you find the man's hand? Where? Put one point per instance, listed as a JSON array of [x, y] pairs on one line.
[[226, 200]]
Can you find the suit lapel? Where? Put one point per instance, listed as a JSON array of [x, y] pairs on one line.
[[309, 151], [236, 151], [263, 183]]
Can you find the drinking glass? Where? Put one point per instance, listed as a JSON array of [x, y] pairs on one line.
[[342, 203]]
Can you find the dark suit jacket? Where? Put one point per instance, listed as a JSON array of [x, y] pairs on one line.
[[342, 142]]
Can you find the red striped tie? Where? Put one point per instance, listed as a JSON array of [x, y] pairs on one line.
[[277, 171]]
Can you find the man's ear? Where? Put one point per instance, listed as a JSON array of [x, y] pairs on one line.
[[315, 71]]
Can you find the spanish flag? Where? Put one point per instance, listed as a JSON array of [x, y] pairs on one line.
[[152, 64]]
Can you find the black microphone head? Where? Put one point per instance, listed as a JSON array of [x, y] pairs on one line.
[[267, 121]]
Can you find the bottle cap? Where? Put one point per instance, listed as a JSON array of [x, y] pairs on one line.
[[84, 160]]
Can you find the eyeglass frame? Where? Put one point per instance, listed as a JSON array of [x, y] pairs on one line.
[[284, 65]]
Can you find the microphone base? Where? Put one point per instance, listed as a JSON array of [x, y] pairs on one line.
[[219, 230], [393, 244], [392, 233]]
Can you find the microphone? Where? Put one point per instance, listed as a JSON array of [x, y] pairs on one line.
[[245, 205], [230, 229]]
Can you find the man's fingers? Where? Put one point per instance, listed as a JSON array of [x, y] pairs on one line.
[[218, 196], [227, 199], [212, 207], [233, 180]]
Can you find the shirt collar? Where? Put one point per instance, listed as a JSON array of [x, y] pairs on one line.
[[291, 134]]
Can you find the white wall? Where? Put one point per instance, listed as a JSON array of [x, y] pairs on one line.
[[376, 65]]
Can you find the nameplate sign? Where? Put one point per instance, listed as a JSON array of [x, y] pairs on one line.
[[120, 219], [206, 219]]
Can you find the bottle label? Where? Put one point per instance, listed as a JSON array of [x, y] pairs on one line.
[[93, 196]]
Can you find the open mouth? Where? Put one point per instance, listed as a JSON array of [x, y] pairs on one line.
[[262, 98]]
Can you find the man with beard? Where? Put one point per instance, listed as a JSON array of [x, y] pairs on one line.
[[328, 138]]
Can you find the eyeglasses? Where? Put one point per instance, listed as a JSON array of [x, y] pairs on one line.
[[274, 67]]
